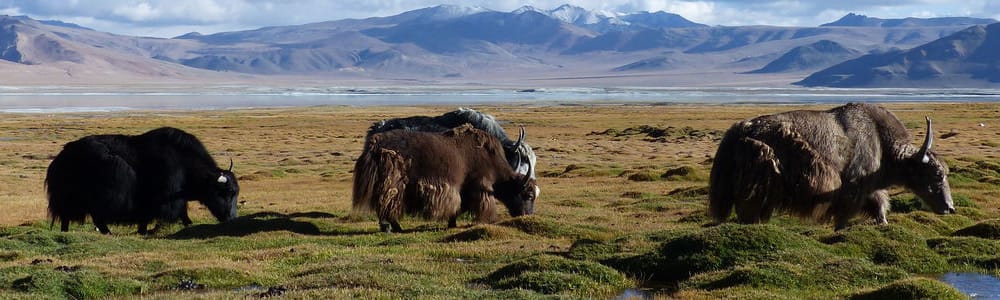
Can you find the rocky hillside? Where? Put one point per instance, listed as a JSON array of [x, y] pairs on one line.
[[968, 58]]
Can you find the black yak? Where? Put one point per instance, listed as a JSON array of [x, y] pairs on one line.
[[438, 176], [519, 155], [124, 179], [823, 164]]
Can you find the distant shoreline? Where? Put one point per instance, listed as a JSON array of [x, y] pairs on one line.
[[71, 99]]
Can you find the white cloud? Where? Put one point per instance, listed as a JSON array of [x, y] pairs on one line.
[[173, 17]]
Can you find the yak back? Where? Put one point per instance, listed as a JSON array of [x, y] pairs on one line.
[[444, 123], [459, 153], [172, 151], [456, 118]]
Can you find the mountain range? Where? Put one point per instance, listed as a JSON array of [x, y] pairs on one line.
[[565, 46]]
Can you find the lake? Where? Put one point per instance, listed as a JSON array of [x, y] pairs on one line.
[[56, 99], [976, 285]]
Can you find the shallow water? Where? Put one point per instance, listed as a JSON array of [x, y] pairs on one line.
[[56, 99], [632, 294], [976, 285]]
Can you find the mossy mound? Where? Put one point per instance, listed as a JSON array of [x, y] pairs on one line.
[[696, 192], [988, 262], [961, 246], [989, 229], [730, 245], [547, 227], [592, 249], [585, 170], [75, 283], [834, 275], [641, 175], [929, 224], [483, 233], [913, 288], [892, 245], [685, 173], [553, 275]]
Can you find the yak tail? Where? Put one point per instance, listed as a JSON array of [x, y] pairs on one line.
[[379, 183], [365, 178], [743, 175]]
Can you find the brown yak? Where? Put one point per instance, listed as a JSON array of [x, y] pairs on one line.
[[823, 164], [438, 176]]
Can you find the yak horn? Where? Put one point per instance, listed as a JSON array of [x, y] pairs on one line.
[[928, 141], [230, 164], [520, 141]]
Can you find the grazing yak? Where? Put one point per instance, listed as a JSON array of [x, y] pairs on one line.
[[438, 176], [823, 164], [518, 154], [124, 179]]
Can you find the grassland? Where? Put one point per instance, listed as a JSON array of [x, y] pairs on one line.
[[622, 206]]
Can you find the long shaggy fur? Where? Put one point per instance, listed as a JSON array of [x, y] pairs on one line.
[[436, 176], [820, 164], [136, 179], [485, 122]]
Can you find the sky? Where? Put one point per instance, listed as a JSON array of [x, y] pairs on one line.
[[169, 18]]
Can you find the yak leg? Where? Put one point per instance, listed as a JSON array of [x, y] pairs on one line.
[[383, 226], [65, 225], [453, 222], [389, 226], [102, 227], [840, 223], [753, 208], [185, 220], [142, 228], [876, 206]]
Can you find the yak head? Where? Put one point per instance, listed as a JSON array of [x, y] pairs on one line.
[[222, 195], [524, 159], [518, 195], [521, 156], [927, 176]]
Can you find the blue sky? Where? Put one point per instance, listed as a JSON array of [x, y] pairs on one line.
[[167, 18]]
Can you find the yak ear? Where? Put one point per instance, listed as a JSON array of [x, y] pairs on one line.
[[222, 178]]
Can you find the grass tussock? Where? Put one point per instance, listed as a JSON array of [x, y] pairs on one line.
[[75, 283], [989, 229], [484, 233], [554, 275], [913, 288], [551, 228]]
